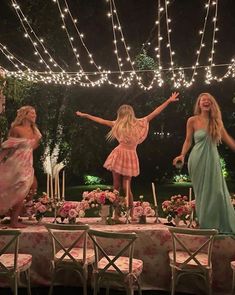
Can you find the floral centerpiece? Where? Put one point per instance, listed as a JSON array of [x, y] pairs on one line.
[[233, 200], [178, 208], [71, 210], [99, 198], [41, 206], [142, 209]]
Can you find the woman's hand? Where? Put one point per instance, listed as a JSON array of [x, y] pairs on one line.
[[178, 162], [173, 97], [80, 114]]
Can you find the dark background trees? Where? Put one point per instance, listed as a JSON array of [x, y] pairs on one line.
[[83, 142]]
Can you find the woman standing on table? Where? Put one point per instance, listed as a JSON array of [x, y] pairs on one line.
[[129, 131], [213, 203], [16, 163]]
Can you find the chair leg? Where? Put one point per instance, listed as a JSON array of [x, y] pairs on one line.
[[52, 282], [84, 283], [139, 288], [95, 288], [15, 284], [209, 283], [27, 277], [233, 283], [173, 281]]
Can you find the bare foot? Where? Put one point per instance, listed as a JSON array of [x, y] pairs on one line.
[[17, 225]]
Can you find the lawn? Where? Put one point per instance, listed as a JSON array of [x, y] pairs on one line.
[[163, 191]]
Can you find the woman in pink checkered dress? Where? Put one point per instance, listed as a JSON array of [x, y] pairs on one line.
[[129, 131]]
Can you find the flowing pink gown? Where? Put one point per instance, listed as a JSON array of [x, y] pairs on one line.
[[16, 171], [124, 159]]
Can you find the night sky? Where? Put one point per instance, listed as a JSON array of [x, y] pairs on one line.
[[137, 18]]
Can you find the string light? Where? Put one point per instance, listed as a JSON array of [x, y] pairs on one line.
[[127, 74]]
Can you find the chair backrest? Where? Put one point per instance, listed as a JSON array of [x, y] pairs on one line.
[[103, 248], [9, 243], [184, 240], [60, 240]]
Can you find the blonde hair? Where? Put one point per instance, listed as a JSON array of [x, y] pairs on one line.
[[21, 114], [215, 117], [124, 123]]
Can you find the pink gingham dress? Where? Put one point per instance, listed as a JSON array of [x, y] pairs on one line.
[[123, 159], [16, 171]]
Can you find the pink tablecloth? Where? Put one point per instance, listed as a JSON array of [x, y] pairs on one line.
[[152, 247]]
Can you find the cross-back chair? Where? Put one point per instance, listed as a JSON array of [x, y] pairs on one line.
[[110, 262], [189, 257], [70, 251], [13, 263]]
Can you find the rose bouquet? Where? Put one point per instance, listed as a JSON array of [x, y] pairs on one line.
[[41, 206], [72, 210], [178, 207], [142, 210], [98, 197]]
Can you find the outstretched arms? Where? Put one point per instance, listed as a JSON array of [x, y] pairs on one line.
[[158, 110], [95, 119], [187, 143]]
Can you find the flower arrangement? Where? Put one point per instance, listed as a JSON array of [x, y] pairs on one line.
[[72, 210], [98, 197], [178, 206], [233, 200], [141, 208], [41, 206]]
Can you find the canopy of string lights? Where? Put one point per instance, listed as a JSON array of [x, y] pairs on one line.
[[162, 45]]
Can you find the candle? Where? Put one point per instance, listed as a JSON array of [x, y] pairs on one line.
[[154, 194], [63, 186], [51, 182], [58, 185], [190, 194], [48, 185], [127, 193]]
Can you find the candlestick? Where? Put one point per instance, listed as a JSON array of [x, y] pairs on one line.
[[58, 185], [48, 185], [51, 182], [154, 194], [190, 194], [63, 186]]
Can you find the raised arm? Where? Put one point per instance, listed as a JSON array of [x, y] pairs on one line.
[[188, 141], [95, 119], [228, 139], [158, 110]]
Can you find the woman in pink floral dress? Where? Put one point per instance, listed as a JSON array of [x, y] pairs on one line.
[[16, 163], [129, 131]]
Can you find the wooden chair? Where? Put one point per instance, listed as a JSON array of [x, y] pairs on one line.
[[232, 263], [13, 264], [194, 260], [70, 253], [108, 267]]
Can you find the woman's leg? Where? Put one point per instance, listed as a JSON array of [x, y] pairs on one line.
[[126, 182], [116, 186], [15, 214]]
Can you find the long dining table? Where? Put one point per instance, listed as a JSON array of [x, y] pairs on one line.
[[152, 246]]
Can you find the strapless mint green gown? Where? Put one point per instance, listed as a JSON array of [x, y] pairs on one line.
[[213, 204]]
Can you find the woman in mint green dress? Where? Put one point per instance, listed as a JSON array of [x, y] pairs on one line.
[[213, 204]]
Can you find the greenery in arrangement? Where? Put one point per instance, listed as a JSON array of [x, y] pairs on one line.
[[181, 178], [92, 179], [224, 168]]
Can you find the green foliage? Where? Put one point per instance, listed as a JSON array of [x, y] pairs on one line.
[[91, 179], [145, 62], [181, 178], [224, 168], [17, 89], [3, 126]]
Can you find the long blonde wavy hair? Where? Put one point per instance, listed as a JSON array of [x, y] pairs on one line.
[[21, 114], [124, 123], [215, 117]]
